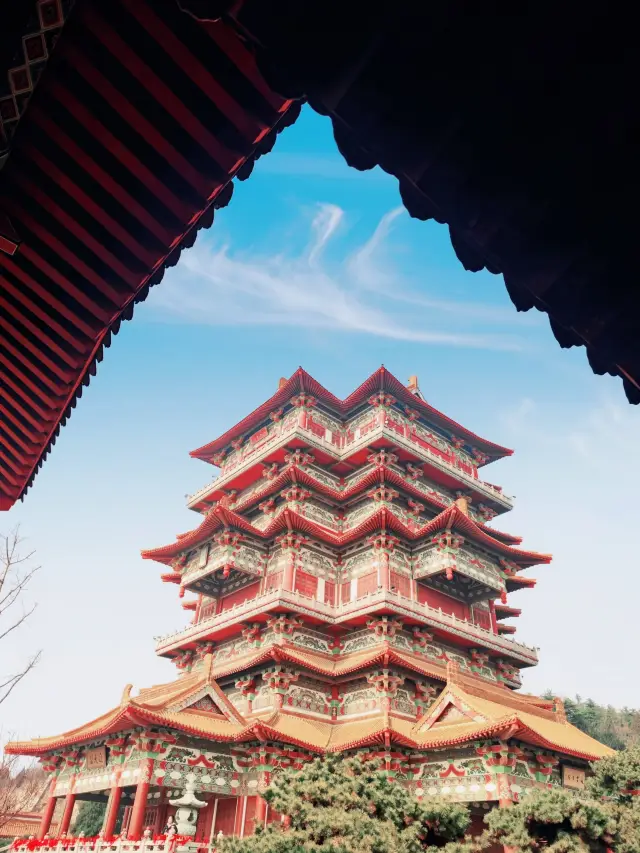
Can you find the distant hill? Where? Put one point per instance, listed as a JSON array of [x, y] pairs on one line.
[[618, 728]]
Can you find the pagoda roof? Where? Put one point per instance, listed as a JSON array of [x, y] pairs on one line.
[[130, 141], [481, 711], [293, 473], [382, 519], [381, 380], [503, 611]]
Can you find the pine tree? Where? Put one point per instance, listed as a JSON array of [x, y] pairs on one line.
[[338, 805], [606, 817], [89, 819]]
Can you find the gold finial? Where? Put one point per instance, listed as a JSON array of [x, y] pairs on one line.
[[413, 383], [282, 382], [126, 694]]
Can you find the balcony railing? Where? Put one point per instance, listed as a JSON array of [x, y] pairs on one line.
[[335, 615]]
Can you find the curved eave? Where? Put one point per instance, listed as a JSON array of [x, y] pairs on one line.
[[298, 383], [518, 582], [383, 519], [503, 611], [382, 473], [112, 721], [381, 380]]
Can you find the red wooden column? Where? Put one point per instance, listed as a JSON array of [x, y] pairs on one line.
[[69, 803], [385, 574], [261, 812], [289, 569], [47, 817], [140, 803], [111, 814], [492, 612], [241, 808]]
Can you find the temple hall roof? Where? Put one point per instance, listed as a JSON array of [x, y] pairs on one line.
[[479, 711]]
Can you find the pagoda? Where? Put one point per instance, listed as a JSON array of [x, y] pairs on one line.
[[347, 594]]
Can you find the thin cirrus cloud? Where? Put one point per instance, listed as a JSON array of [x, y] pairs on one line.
[[363, 293]]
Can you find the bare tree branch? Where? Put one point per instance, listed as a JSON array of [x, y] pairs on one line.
[[21, 787], [16, 571], [14, 680]]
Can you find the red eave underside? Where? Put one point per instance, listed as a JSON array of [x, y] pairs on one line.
[[104, 191]]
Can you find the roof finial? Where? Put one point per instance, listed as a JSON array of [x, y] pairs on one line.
[[282, 382], [559, 710], [126, 694], [414, 388], [462, 502]]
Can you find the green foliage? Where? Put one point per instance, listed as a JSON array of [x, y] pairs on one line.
[[616, 776], [338, 805], [555, 819], [606, 817], [616, 728], [89, 819]]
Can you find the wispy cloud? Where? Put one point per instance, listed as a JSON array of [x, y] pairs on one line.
[[362, 292]]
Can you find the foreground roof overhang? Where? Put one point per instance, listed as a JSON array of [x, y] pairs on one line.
[[498, 125], [141, 118], [143, 112]]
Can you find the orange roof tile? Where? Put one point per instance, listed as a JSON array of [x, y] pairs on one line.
[[489, 717], [486, 710]]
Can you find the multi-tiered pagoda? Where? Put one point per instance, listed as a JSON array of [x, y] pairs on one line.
[[347, 594]]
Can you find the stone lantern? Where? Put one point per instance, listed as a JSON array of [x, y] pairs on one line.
[[187, 812]]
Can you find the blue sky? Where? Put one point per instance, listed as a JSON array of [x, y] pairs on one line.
[[316, 265]]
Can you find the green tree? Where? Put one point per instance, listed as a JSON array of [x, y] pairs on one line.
[[338, 805], [90, 818], [606, 817], [616, 728]]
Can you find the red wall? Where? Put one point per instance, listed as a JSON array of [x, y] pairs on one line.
[[249, 827], [226, 815], [401, 583], [436, 599], [329, 593], [240, 595], [367, 583], [306, 584], [482, 618]]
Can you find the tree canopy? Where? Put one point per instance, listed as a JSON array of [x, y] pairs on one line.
[[89, 819], [336, 805], [606, 817], [617, 727]]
